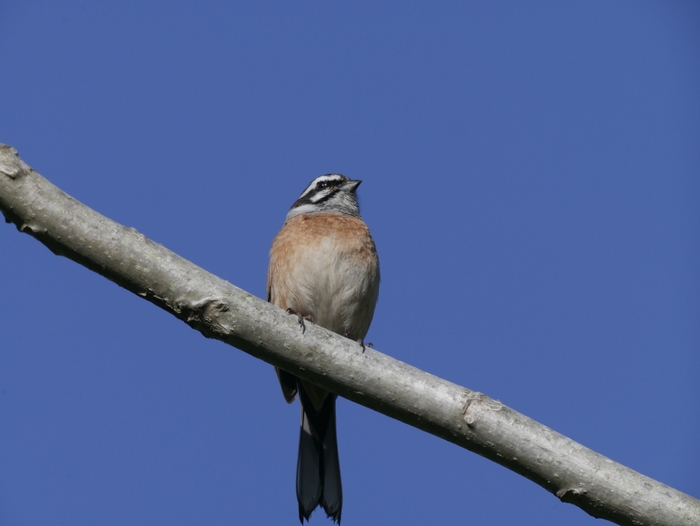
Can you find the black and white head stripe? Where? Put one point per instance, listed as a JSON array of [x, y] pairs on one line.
[[323, 182], [328, 193]]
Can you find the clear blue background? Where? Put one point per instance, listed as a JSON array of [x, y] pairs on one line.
[[532, 180]]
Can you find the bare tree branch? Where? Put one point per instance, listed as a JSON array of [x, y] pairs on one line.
[[574, 473]]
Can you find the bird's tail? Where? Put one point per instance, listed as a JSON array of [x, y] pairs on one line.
[[318, 466]]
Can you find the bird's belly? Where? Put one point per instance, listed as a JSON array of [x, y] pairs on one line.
[[338, 288]]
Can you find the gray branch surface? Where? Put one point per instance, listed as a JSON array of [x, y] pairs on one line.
[[572, 472]]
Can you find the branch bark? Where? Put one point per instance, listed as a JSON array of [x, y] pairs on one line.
[[472, 420]]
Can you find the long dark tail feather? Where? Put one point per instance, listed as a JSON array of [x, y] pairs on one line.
[[332, 497], [318, 466], [309, 486]]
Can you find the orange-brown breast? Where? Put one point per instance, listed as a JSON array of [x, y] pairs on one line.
[[325, 265]]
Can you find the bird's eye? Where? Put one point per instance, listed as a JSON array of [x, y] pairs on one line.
[[322, 185]]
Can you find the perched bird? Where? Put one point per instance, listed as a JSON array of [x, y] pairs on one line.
[[323, 268]]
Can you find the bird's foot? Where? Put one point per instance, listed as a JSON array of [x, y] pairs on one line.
[[301, 317], [362, 343]]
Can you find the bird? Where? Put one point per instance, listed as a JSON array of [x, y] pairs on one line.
[[324, 269]]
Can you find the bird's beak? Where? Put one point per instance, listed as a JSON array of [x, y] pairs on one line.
[[351, 185]]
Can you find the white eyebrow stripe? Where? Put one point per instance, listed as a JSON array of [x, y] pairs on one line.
[[320, 179]]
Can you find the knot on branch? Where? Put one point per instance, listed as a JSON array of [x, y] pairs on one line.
[[571, 495], [205, 318], [477, 403], [10, 163]]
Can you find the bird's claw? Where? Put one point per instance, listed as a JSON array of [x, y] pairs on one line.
[[364, 345], [301, 317]]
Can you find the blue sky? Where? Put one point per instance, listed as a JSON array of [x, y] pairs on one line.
[[531, 178]]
